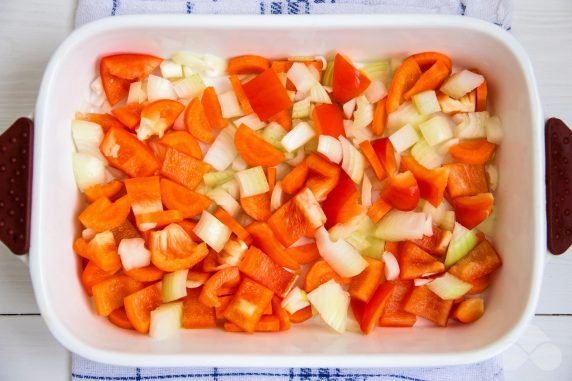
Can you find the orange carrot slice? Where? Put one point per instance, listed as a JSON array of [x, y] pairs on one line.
[[379, 117], [247, 64], [240, 95], [183, 142], [255, 150], [197, 123], [477, 151], [404, 78], [178, 197]]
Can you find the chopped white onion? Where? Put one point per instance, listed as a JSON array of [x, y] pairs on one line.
[[201, 63], [302, 241], [306, 202], [428, 232], [223, 199], [88, 170], [251, 121], [223, 151], [492, 176], [405, 114], [301, 77], [400, 226], [137, 93], [449, 287], [301, 134], [174, 285], [160, 88], [332, 302], [277, 197], [443, 148], [353, 162], [462, 242], [436, 130], [229, 105], [343, 257], [450, 106], [273, 134], [363, 116], [296, 157], [376, 91], [437, 214], [404, 138], [252, 182], [87, 137], [494, 130], [471, 125], [239, 164], [214, 179], [232, 188], [97, 86], [318, 94], [213, 232], [391, 266], [301, 109], [461, 83], [170, 69], [366, 189], [418, 282], [189, 87], [295, 300], [166, 320], [330, 147], [426, 102], [133, 253], [426, 155], [349, 108]]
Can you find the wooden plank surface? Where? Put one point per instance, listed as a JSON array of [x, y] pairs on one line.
[[31, 29]]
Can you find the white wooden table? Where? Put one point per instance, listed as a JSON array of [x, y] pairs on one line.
[[30, 30]]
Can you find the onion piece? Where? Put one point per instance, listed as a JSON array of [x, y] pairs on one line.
[[363, 116], [330, 147], [353, 162], [301, 134], [189, 87], [461, 83], [404, 138], [376, 91], [391, 266], [418, 282], [251, 121], [302, 241], [201, 63], [170, 69], [366, 189], [214, 179], [166, 320], [174, 285], [137, 93], [306, 202], [470, 125], [443, 148], [159, 88], [223, 151], [318, 94], [349, 108], [331, 301], [87, 137], [232, 253], [344, 259], [448, 221], [213, 232], [301, 77], [451, 106], [426, 155], [494, 130], [378, 70], [405, 114], [97, 86], [133, 253], [436, 130], [232, 188], [295, 300], [437, 214], [492, 176], [401, 226], [428, 232], [296, 157], [88, 170], [239, 164], [229, 105], [273, 134], [301, 109], [277, 197], [462, 242], [426, 102], [449, 287], [252, 182], [223, 199]]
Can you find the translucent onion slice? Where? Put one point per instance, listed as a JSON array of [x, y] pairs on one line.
[[166, 320], [252, 182], [462, 242], [174, 286], [449, 287], [391, 266], [133, 253], [331, 301], [343, 257]]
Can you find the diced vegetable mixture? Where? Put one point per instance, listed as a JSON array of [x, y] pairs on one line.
[[252, 194]]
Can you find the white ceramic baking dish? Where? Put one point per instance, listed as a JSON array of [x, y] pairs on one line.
[[520, 237]]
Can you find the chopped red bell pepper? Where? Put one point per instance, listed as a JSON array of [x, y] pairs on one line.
[[466, 180], [196, 314], [426, 304], [432, 183], [266, 94], [374, 308], [342, 202], [348, 82], [415, 262], [364, 285], [328, 120], [248, 304], [401, 191], [436, 244], [394, 314], [386, 155], [264, 270], [480, 261], [472, 210]]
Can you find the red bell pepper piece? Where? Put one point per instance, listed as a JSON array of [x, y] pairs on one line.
[[423, 302], [288, 223], [364, 285], [342, 202], [466, 180], [178, 197], [138, 306], [266, 94], [386, 155], [161, 114], [401, 191], [264, 270], [432, 183], [248, 304], [319, 273], [225, 277], [374, 308], [184, 169], [129, 115], [195, 313], [477, 151], [480, 261], [108, 295], [263, 237], [212, 108], [414, 262], [348, 82], [436, 244], [394, 315], [403, 79], [472, 210], [328, 120]]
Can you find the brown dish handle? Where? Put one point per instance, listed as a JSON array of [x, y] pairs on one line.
[[558, 140], [16, 185]]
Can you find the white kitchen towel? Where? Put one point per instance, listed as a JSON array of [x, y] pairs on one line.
[[495, 11]]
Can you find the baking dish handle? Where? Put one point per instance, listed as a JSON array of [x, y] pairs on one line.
[[558, 141], [16, 154]]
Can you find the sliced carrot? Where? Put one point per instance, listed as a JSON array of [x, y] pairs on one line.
[[257, 207], [363, 285], [248, 304], [160, 219], [212, 108], [271, 177], [302, 315], [379, 209], [92, 275], [431, 182], [106, 121], [247, 64], [295, 179], [263, 238], [129, 115], [209, 296], [197, 123], [283, 118], [80, 247], [183, 142], [255, 150], [240, 95], [172, 249], [481, 97], [466, 180], [178, 197], [322, 186], [125, 152], [240, 232], [288, 223], [392, 247], [429, 80], [266, 94], [394, 314], [304, 254], [379, 117], [102, 250], [348, 82], [119, 318], [260, 267], [146, 274], [108, 295], [280, 313], [319, 273], [480, 284], [322, 166], [477, 151], [328, 120], [404, 78], [415, 262], [371, 156], [138, 306], [184, 169], [426, 59], [469, 310], [107, 190], [195, 313]]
